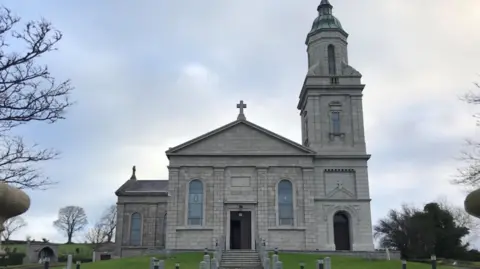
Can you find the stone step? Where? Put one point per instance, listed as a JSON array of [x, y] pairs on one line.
[[241, 267], [241, 259], [240, 264]]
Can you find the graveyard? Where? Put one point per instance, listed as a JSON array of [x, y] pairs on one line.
[[289, 260]]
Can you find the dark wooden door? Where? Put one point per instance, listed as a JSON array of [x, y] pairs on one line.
[[341, 231]]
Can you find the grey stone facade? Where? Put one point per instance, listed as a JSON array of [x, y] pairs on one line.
[[240, 165]]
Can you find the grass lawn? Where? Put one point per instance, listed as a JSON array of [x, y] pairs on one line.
[[186, 261], [290, 261], [293, 260]]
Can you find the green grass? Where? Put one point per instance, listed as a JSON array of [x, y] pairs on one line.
[[293, 260], [186, 261], [290, 261]]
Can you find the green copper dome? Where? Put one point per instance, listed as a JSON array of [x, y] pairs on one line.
[[325, 20]]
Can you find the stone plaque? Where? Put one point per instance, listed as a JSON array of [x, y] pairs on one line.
[[240, 181]]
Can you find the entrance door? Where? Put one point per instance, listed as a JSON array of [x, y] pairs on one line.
[[341, 231], [240, 230]]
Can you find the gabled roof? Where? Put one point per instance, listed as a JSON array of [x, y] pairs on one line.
[[301, 149]]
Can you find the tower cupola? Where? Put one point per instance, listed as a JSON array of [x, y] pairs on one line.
[[325, 20]]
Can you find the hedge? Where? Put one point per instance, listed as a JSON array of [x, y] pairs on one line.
[[13, 259]]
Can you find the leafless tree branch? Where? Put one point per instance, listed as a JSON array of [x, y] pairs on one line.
[[11, 226], [28, 93], [71, 219]]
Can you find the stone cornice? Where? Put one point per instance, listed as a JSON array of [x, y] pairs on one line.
[[344, 156], [342, 200]]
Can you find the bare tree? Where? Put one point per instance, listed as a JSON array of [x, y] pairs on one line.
[[95, 235], [108, 222], [12, 225], [28, 93], [71, 219], [469, 175]]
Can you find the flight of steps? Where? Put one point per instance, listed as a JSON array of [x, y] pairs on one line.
[[240, 259]]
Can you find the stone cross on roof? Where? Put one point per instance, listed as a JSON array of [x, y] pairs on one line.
[[241, 106]]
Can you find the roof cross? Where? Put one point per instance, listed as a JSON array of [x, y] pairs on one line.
[[241, 106]]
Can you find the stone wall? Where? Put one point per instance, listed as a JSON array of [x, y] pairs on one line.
[[153, 211]]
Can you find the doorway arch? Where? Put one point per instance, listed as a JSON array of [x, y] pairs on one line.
[[46, 252], [341, 231]]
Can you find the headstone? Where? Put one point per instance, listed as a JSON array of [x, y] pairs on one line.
[[78, 265], [93, 256], [327, 263], [206, 259], [274, 260], [404, 264], [387, 252], [278, 265], [161, 264], [203, 265], [69, 261]]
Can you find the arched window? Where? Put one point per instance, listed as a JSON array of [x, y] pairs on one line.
[[332, 69], [195, 202], [336, 122], [136, 229], [285, 203]]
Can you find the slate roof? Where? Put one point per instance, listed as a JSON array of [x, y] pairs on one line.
[[135, 187]]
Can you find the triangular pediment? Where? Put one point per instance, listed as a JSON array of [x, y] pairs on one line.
[[240, 137], [340, 193]]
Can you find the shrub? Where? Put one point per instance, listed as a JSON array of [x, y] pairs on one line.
[[13, 259]]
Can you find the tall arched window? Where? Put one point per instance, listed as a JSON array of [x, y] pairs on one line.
[[285, 203], [195, 202], [136, 229], [332, 69], [336, 122]]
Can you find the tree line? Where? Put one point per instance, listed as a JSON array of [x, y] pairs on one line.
[[437, 228], [71, 222]]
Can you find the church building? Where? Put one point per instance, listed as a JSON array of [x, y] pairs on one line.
[[241, 183]]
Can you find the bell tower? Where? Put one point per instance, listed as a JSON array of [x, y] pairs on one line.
[[330, 101]]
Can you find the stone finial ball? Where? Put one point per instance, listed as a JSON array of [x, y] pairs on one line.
[[13, 202], [472, 203]]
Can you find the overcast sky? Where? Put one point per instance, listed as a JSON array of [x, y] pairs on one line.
[[152, 74]]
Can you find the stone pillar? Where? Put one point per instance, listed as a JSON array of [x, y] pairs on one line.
[[214, 264], [206, 259], [262, 206], [94, 256], [119, 230], [69, 261], [218, 206], [327, 263], [173, 181], [274, 261], [309, 208]]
